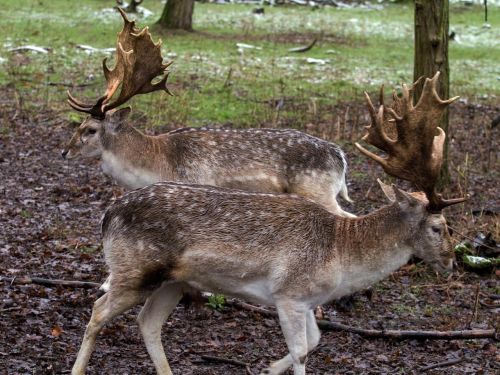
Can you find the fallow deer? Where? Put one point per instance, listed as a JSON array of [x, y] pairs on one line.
[[274, 249], [259, 160]]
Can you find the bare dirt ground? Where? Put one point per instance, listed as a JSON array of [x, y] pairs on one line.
[[49, 227]]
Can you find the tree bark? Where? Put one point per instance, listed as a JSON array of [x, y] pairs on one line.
[[177, 14], [431, 55]]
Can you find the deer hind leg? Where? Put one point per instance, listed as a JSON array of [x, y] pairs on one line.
[[329, 201], [151, 318], [312, 336], [338, 187], [110, 305]]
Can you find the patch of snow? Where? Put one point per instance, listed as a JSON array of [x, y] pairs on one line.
[[312, 60], [90, 49], [32, 48], [247, 46]]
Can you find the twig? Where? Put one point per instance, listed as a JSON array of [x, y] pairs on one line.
[[491, 296], [472, 239], [442, 364], [304, 48], [211, 358], [227, 82], [247, 306], [51, 282], [9, 309], [476, 305]]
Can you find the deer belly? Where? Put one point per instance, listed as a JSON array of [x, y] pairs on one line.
[[255, 290]]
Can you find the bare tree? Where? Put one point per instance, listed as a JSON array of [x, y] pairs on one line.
[[431, 55], [177, 14]]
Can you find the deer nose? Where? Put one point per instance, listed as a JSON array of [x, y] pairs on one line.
[[64, 153]]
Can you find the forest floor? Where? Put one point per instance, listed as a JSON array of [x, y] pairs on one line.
[[50, 211]]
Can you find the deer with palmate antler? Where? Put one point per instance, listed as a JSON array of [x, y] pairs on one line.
[[260, 160], [274, 249]]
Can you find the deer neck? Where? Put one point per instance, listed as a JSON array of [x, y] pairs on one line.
[[132, 158], [371, 247]]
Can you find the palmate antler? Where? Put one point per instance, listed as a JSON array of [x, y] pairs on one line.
[[138, 62], [417, 153]]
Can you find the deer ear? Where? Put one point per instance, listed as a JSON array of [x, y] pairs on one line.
[[404, 198], [388, 190], [117, 118], [121, 114]]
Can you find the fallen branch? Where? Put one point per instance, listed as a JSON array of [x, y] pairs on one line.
[[450, 362], [410, 334], [326, 325], [52, 282]]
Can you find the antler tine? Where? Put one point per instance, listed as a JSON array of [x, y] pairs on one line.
[[399, 102], [376, 134], [417, 153], [94, 110], [72, 99], [430, 96]]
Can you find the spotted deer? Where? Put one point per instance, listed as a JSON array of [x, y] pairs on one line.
[[274, 249], [259, 160]]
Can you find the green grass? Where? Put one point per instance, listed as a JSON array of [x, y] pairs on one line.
[[214, 83]]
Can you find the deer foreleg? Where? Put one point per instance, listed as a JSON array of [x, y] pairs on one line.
[[301, 335]]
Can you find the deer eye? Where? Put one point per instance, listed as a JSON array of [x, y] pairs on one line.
[[436, 229], [91, 131]]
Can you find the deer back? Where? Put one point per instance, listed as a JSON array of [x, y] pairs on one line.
[[258, 246]]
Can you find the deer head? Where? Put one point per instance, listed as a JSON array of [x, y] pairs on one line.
[[90, 138], [138, 63], [415, 155]]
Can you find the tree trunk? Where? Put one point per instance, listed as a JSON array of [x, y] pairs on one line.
[[431, 55], [177, 14]]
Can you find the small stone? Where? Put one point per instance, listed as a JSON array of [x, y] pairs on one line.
[[382, 358]]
